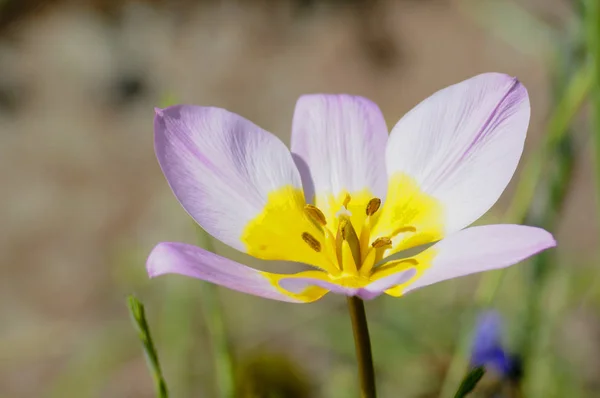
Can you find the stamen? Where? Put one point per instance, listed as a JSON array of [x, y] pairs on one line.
[[311, 241], [346, 233], [403, 229], [347, 200], [330, 252], [368, 262], [384, 241], [365, 236], [315, 214], [373, 206], [375, 254], [348, 262], [365, 233]]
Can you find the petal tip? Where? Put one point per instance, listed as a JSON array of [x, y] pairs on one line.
[[173, 111], [540, 239], [500, 76], [550, 241], [505, 79], [546, 239], [151, 270], [153, 262]]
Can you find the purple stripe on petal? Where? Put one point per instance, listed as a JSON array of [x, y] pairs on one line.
[[496, 112]]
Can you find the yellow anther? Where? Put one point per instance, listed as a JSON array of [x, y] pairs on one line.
[[311, 241], [382, 242], [365, 233], [373, 206], [315, 214], [347, 200], [374, 254]]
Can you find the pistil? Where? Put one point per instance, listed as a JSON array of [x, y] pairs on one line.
[[348, 245]]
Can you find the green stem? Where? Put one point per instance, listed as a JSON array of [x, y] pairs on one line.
[[138, 316], [220, 341], [217, 330], [565, 111], [592, 16], [362, 343]]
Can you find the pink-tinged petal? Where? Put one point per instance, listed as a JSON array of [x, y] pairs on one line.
[[480, 249], [300, 282], [378, 287], [462, 145], [192, 261], [308, 279], [223, 168], [339, 143]]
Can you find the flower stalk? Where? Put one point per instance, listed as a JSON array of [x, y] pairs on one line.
[[362, 343]]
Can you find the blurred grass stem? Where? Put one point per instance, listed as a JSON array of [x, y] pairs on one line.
[[218, 336], [592, 17], [138, 316], [182, 304], [362, 344], [566, 109], [216, 329]]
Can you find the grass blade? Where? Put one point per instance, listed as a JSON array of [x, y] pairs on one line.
[[470, 382], [138, 316]]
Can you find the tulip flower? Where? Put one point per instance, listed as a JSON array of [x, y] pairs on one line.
[[347, 196]]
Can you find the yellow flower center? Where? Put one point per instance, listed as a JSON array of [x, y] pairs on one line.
[[351, 255], [346, 236]]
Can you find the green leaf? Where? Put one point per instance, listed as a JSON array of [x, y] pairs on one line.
[[470, 382]]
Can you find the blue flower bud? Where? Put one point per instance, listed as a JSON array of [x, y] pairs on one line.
[[487, 349]]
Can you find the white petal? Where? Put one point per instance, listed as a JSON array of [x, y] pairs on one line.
[[462, 145], [222, 168], [479, 249], [338, 143]]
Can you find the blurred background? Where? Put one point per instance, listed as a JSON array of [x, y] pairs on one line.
[[83, 201]]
